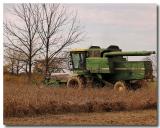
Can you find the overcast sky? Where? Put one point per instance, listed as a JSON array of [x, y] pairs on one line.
[[131, 26]]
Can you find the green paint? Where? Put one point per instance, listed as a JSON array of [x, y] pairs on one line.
[[129, 70], [133, 53], [97, 65], [100, 63]]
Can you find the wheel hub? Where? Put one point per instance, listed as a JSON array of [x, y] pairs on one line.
[[120, 89]]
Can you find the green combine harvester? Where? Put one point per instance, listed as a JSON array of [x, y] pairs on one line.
[[96, 67]]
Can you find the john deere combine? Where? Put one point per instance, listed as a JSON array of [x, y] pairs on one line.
[[98, 67]]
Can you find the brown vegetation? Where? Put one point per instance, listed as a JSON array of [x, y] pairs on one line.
[[137, 117], [22, 99]]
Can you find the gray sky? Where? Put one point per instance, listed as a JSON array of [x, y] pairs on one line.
[[131, 26]]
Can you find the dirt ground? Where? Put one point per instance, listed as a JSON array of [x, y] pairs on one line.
[[138, 117]]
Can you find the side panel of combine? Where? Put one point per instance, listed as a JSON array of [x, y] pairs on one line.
[[130, 70], [148, 70], [97, 65]]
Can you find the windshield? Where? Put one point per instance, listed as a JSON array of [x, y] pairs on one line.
[[78, 60]]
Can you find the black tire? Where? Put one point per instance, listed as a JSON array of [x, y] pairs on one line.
[[97, 83], [74, 82], [120, 86], [142, 84]]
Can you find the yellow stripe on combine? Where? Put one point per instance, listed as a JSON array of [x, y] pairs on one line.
[[78, 49], [123, 69]]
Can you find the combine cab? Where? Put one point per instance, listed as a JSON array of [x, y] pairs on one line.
[[96, 67]]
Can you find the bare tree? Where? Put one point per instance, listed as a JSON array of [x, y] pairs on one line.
[[22, 36], [14, 61], [9, 58], [57, 30]]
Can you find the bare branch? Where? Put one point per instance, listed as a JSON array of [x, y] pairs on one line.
[[22, 38], [57, 30]]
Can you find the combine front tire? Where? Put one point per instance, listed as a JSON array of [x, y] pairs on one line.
[[120, 86], [74, 82]]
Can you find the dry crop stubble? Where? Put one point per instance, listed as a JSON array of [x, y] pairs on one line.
[[136, 117], [22, 99]]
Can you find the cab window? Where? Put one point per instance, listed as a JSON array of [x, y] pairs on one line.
[[78, 60]]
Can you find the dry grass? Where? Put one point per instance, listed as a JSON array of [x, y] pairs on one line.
[[137, 117], [22, 99]]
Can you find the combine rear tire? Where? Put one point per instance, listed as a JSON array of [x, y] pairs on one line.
[[120, 86], [74, 82]]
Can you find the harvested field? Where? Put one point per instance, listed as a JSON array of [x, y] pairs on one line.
[[22, 100], [138, 117], [28, 104]]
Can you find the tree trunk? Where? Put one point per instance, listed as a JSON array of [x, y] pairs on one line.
[[30, 69], [30, 57], [47, 61], [12, 69], [17, 68], [26, 68]]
